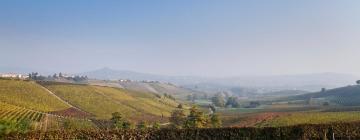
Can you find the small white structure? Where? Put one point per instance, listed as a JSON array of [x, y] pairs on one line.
[[14, 75]]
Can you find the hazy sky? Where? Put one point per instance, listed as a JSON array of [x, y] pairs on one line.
[[182, 37]]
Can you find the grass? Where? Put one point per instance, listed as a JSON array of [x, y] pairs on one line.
[[311, 118], [102, 101], [29, 95]]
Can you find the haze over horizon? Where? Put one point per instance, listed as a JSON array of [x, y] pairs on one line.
[[196, 38]]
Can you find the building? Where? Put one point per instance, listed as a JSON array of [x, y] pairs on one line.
[[13, 75]]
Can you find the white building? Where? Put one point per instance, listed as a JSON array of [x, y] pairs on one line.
[[14, 75]]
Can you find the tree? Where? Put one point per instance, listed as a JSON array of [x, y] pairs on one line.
[[233, 102], [117, 120], [358, 82], [127, 125], [254, 104], [54, 76], [177, 119], [215, 121], [156, 125], [323, 89], [180, 106], [213, 108], [218, 100], [196, 119]]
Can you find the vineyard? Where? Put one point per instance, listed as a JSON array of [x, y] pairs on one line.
[[30, 95], [310, 118], [13, 113], [320, 131], [347, 96], [102, 101]]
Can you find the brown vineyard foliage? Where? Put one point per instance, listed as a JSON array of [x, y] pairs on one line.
[[320, 131]]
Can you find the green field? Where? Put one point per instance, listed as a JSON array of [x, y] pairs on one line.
[[102, 101], [29, 95]]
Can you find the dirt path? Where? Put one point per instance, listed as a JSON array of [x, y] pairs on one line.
[[59, 98]]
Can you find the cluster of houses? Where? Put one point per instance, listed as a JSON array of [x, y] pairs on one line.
[[14, 75]]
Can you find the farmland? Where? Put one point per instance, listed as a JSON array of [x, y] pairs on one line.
[[30, 95], [310, 118], [14, 113], [102, 101]]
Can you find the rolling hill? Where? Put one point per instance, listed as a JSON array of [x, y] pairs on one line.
[[55, 105], [30, 95], [347, 96], [101, 101], [148, 87]]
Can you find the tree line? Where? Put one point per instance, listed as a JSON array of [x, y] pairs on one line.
[[37, 76]]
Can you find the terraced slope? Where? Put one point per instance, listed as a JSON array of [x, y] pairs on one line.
[[14, 113], [29, 95], [102, 101]]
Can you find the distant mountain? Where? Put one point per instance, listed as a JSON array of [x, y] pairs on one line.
[[349, 95], [110, 74]]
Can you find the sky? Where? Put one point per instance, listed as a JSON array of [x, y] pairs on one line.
[[182, 37]]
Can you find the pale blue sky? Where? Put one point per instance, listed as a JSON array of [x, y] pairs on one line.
[[182, 37]]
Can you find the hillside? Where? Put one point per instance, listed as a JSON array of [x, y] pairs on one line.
[[102, 101], [148, 87], [30, 95], [348, 96]]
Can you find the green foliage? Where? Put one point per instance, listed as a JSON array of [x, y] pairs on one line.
[[119, 122], [7, 127], [196, 119], [177, 119], [215, 121], [128, 125], [233, 102], [156, 125], [180, 106], [218, 100]]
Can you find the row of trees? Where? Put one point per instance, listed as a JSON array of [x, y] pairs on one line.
[[121, 123], [37, 76], [169, 96], [195, 119], [220, 101], [178, 120]]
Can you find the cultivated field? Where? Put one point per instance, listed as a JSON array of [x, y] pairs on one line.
[[102, 101], [30, 95]]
